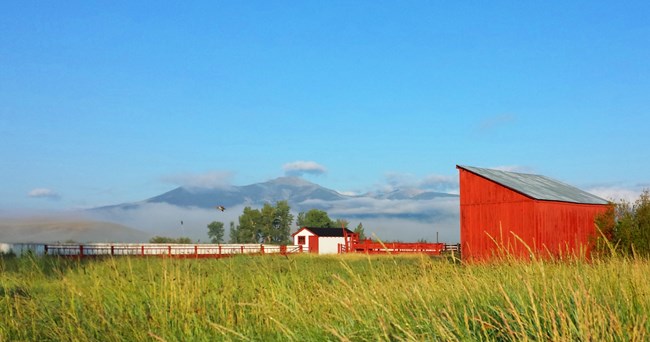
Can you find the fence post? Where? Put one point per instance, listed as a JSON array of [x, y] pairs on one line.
[[112, 250], [242, 249], [196, 251], [142, 250], [220, 251], [45, 250], [300, 248], [169, 250], [283, 249], [262, 249]]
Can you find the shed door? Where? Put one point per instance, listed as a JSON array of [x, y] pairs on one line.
[[313, 244]]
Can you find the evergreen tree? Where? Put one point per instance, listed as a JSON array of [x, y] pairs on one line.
[[359, 230]]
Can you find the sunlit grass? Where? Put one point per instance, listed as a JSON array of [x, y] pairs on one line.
[[304, 297]]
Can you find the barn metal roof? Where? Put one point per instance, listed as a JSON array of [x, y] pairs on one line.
[[536, 186]]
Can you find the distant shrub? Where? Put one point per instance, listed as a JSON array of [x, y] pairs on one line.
[[626, 226], [164, 239]]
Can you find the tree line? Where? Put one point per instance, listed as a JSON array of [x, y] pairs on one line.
[[271, 224], [625, 227]]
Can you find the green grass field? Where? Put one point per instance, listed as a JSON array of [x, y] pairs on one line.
[[310, 298]]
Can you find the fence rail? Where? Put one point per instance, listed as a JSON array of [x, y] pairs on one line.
[[373, 247], [169, 250], [452, 247]]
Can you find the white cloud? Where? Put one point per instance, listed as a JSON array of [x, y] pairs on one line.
[[207, 180], [299, 168], [44, 193], [399, 180], [432, 182], [493, 122], [616, 193], [404, 220], [394, 229], [440, 183], [372, 206], [348, 193]]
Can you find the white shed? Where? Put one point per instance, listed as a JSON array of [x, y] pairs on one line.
[[320, 240]]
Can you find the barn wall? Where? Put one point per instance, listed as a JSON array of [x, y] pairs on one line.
[[326, 245], [566, 228], [495, 219], [329, 245], [492, 217], [306, 234]]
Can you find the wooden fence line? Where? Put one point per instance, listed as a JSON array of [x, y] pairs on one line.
[[166, 250]]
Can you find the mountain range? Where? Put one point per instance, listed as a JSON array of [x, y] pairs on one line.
[[301, 195], [292, 189], [400, 214]]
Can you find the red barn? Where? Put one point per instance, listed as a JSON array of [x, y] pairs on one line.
[[516, 212]]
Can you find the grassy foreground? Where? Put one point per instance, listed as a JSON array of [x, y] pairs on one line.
[[310, 298]]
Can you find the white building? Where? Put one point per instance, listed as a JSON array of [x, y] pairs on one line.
[[320, 240], [5, 248]]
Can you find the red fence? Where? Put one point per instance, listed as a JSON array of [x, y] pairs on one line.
[[375, 247], [354, 245], [167, 250]]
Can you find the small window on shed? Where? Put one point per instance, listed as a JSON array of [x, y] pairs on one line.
[[301, 240]]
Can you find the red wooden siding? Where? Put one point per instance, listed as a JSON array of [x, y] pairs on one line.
[[489, 213], [496, 219], [566, 228]]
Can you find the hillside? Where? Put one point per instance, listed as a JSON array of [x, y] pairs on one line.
[[44, 229]]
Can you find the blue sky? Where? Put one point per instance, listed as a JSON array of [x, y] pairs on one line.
[[111, 102]]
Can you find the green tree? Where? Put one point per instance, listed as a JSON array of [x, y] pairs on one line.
[[183, 239], [314, 218], [359, 230], [247, 227], [627, 225], [271, 224], [165, 239], [233, 233], [278, 223], [216, 231], [340, 223], [642, 211]]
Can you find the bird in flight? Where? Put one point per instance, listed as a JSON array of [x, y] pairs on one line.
[[220, 207]]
